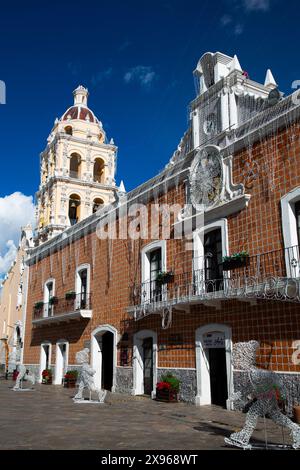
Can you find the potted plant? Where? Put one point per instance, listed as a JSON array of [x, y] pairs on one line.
[[47, 377], [167, 389], [38, 305], [164, 277], [235, 261], [53, 300], [71, 295], [70, 379]]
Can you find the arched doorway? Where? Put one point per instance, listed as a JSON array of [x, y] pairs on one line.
[[145, 363], [214, 365], [104, 356]]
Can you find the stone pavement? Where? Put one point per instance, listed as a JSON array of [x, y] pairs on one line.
[[47, 418]]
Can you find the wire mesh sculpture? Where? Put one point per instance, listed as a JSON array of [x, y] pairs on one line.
[[23, 375], [86, 379], [265, 385]]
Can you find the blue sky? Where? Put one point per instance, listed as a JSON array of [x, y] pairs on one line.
[[136, 58]]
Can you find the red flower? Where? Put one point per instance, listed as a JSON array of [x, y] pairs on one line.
[[163, 386]]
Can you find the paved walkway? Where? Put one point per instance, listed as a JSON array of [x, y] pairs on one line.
[[47, 418]]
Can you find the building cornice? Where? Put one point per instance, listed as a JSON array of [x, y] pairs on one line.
[[78, 182], [61, 136]]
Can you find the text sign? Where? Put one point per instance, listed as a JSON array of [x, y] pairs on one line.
[[214, 340]]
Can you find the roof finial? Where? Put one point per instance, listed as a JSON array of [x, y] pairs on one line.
[[80, 96], [235, 65], [270, 80]]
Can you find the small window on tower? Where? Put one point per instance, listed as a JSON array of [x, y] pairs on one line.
[[75, 165], [98, 203], [69, 130], [74, 209], [99, 171]]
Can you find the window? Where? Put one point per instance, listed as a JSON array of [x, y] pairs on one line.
[[74, 209], [213, 259], [290, 212], [48, 294], [153, 262], [210, 247], [99, 171], [69, 130], [97, 204], [83, 287], [297, 215], [75, 161]]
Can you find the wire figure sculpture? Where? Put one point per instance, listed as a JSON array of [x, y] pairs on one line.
[[264, 385], [23, 375], [86, 379]]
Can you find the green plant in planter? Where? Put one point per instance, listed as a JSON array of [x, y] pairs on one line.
[[173, 381], [236, 257], [71, 374], [53, 300], [39, 305], [70, 295], [164, 276], [47, 376]]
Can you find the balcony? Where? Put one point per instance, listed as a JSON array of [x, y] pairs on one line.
[[271, 276], [63, 310]]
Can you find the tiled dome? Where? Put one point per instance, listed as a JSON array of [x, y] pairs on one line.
[[80, 109], [79, 112]]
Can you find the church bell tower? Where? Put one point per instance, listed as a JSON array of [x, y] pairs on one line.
[[77, 170]]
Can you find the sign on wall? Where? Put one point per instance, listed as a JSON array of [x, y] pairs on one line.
[[215, 339]]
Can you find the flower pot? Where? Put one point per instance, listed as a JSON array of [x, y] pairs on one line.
[[70, 383], [296, 410], [71, 296], [165, 279], [47, 382], [235, 263], [166, 395]]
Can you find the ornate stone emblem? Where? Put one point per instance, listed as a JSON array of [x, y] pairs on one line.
[[206, 177]]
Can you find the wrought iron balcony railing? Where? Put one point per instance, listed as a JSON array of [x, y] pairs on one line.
[[62, 307], [272, 275]]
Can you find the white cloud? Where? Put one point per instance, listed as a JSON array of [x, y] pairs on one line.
[[253, 5], [16, 210], [226, 20], [9, 257], [239, 28], [141, 74], [102, 75]]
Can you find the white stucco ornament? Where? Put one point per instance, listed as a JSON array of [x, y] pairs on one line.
[[263, 389], [206, 177], [86, 380]]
